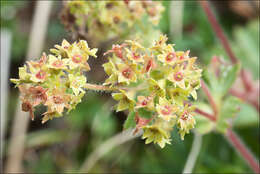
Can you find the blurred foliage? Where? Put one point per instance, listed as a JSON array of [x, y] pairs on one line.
[[63, 145]]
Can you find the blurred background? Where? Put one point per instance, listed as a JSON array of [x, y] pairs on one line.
[[63, 144]]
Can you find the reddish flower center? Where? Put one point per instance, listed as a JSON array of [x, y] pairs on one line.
[[166, 110], [57, 63], [184, 116], [170, 57], [41, 75], [127, 73], [65, 47], [136, 56], [178, 76], [57, 99], [77, 58], [144, 102]]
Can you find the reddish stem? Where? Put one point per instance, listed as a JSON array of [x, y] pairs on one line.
[[205, 114], [218, 30], [243, 151], [246, 82], [210, 98]]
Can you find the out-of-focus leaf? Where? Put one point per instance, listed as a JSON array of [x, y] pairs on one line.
[[247, 117], [230, 107], [130, 121], [228, 77]]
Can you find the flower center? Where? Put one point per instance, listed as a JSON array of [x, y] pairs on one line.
[[41, 75], [178, 76], [136, 56], [57, 99], [184, 116], [127, 73], [166, 110], [144, 103], [77, 58], [57, 63], [170, 57]]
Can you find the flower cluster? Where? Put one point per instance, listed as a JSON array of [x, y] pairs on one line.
[[106, 19], [56, 80], [155, 83]]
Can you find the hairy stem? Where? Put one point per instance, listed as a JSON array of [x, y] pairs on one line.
[[236, 142], [99, 87]]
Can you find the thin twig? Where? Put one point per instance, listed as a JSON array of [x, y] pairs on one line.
[[21, 121], [236, 142], [106, 147], [210, 98], [218, 30], [194, 153], [205, 114]]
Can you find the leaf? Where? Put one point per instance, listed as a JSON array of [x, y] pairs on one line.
[[227, 77], [230, 107], [130, 121], [247, 117]]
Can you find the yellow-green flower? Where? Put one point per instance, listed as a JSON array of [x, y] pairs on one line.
[[145, 102], [186, 121], [157, 87], [127, 73], [156, 134], [56, 62], [125, 99], [166, 110], [77, 83]]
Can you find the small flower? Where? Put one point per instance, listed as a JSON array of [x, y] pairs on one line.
[[166, 110], [77, 83], [186, 121], [58, 100], [57, 62], [145, 102], [156, 134], [125, 100], [61, 50], [126, 73], [118, 50], [177, 76], [157, 87]]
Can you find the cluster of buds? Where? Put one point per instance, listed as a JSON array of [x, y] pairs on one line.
[[155, 83], [56, 80], [106, 19]]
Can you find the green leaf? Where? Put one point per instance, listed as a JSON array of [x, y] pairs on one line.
[[227, 77], [230, 107], [144, 113], [247, 117], [130, 121]]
